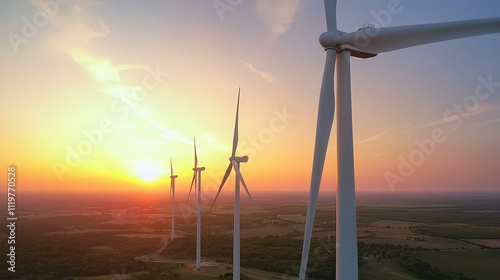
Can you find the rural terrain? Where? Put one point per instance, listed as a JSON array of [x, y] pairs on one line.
[[400, 236]]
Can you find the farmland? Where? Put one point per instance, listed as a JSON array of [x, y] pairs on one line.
[[477, 263], [450, 236]]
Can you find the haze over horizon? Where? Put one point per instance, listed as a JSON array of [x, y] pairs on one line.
[[102, 94]]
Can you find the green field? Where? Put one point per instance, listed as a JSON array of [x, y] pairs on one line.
[[383, 270], [403, 237], [481, 264]]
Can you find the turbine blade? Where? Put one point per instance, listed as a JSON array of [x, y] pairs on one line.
[[235, 135], [195, 155], [192, 183], [238, 174], [171, 172], [171, 167], [378, 40], [324, 125], [226, 175], [331, 15]]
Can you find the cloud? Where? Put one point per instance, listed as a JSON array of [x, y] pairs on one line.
[[491, 121], [74, 22], [375, 137], [404, 129], [278, 14], [441, 121], [264, 75], [482, 109], [76, 26], [380, 154], [166, 133], [455, 116]]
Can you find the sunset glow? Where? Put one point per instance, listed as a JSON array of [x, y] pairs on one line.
[[103, 94], [148, 170]]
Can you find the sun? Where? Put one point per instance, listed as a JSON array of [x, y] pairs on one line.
[[148, 169]]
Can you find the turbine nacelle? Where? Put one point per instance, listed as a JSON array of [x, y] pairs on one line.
[[239, 159], [199, 169], [173, 176], [327, 41], [369, 41]]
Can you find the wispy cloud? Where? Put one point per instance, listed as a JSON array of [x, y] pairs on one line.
[[75, 24], [375, 137], [478, 110], [404, 129], [278, 14], [263, 74], [482, 109], [380, 154], [76, 27], [490, 121], [441, 121]]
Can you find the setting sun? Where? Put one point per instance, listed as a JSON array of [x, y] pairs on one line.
[[147, 169]]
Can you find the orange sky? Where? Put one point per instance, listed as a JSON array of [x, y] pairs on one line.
[[100, 97]]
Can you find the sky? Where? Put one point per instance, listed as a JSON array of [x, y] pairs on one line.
[[99, 95]]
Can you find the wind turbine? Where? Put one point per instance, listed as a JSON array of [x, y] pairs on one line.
[[364, 43], [197, 183], [234, 162], [172, 195]]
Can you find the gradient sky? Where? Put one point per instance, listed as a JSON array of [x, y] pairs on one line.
[[151, 75]]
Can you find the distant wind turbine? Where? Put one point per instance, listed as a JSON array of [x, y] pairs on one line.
[[234, 162], [197, 183], [172, 195], [364, 43]]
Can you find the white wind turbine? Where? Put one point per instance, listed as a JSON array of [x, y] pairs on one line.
[[234, 162], [340, 46], [172, 195], [197, 182]]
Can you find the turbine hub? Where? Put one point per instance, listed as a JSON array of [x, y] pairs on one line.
[[326, 40]]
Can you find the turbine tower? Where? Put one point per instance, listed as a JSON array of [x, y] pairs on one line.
[[340, 46], [234, 162], [172, 195], [197, 183]]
